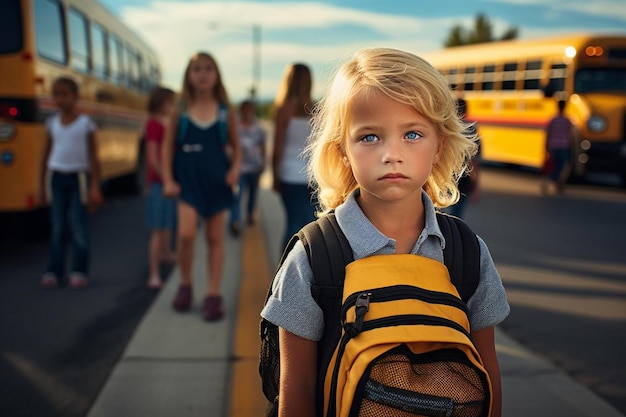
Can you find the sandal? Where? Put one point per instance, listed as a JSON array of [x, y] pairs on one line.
[[49, 280]]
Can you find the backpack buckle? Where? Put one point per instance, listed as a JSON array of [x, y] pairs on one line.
[[361, 306]]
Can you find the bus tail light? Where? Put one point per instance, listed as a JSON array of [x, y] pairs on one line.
[[21, 110]]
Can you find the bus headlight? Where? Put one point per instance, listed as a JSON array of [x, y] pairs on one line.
[[596, 124], [7, 130]]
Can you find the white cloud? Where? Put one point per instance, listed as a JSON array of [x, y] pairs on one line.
[[177, 29]]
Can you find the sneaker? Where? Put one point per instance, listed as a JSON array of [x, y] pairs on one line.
[[77, 280], [154, 283], [213, 308], [182, 301], [49, 280]]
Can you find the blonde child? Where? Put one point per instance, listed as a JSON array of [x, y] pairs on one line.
[[160, 210], [386, 149], [293, 106], [198, 169], [70, 166]]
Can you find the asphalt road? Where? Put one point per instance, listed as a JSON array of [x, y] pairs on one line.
[[561, 258], [58, 346]]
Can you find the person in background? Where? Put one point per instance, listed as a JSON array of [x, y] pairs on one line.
[[468, 182], [385, 151], [201, 164], [293, 105], [160, 210], [252, 138], [71, 175], [559, 138]]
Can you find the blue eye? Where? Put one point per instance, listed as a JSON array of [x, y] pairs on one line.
[[369, 138], [412, 135]]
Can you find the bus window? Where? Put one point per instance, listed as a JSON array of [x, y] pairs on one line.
[[510, 75], [132, 76], [142, 82], [50, 36], [116, 72], [98, 48], [469, 79], [558, 72], [452, 76], [593, 80], [78, 41], [532, 76], [11, 28], [488, 77]]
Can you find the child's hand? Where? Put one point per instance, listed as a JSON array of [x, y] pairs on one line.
[[95, 197], [232, 177], [171, 189]]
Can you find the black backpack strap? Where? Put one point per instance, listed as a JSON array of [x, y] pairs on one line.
[[461, 254], [329, 252]]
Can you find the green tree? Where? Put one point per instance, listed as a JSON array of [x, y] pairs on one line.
[[480, 33]]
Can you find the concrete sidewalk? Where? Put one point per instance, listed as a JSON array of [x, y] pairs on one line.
[[179, 365]]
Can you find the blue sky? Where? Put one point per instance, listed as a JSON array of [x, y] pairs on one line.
[[324, 33]]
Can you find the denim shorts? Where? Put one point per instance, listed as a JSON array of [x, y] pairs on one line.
[[160, 211]]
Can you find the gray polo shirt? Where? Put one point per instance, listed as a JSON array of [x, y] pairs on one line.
[[292, 307]]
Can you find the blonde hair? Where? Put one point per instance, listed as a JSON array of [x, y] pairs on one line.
[[296, 85], [403, 77], [219, 91]]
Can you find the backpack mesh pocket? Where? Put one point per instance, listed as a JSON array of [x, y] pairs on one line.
[[269, 361], [442, 383]]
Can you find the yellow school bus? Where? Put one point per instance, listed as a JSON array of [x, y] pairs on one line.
[[512, 89], [114, 68]]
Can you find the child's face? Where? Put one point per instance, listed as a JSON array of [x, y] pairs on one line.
[[390, 147], [247, 111], [168, 107], [64, 96], [202, 74]]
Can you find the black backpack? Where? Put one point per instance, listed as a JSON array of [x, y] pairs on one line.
[[329, 252]]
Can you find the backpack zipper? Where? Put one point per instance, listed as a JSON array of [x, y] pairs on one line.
[[401, 292]]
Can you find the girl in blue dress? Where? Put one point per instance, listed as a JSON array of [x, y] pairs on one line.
[[201, 159]]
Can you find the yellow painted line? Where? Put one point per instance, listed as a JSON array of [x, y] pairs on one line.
[[247, 398]]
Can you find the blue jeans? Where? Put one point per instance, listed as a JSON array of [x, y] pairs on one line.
[[66, 202], [561, 159], [250, 182], [300, 206]]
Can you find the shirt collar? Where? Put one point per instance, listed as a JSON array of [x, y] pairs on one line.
[[366, 240]]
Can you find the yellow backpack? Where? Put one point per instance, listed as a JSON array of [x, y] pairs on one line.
[[396, 338], [405, 348]]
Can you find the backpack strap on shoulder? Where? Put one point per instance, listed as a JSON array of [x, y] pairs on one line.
[[182, 127], [461, 254], [222, 122]]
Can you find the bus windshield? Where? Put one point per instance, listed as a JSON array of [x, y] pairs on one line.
[[596, 80], [11, 27]]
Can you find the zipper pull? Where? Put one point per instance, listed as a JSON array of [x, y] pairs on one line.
[[361, 306]]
